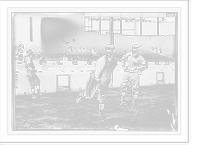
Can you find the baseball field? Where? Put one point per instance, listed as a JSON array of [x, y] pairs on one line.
[[59, 111]]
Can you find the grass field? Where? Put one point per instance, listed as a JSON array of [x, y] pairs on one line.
[[59, 111]]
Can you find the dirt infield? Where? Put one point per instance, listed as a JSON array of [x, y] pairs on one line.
[[59, 111]]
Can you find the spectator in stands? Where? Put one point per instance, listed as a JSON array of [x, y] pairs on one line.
[[42, 59], [84, 49], [156, 49], [64, 57], [78, 58], [81, 49], [71, 49], [75, 60], [152, 48], [94, 50], [59, 59], [160, 50]]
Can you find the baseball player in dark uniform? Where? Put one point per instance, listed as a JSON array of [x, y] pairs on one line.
[[101, 77], [133, 64], [31, 73]]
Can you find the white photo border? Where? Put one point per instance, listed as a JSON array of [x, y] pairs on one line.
[[7, 135]]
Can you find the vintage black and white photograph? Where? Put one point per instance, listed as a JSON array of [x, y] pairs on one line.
[[95, 71], [101, 72]]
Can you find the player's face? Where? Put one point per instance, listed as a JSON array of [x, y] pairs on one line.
[[110, 55], [135, 51]]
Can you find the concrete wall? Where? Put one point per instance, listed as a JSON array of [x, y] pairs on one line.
[[79, 74]]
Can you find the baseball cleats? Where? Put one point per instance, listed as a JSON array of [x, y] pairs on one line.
[[121, 103], [78, 97]]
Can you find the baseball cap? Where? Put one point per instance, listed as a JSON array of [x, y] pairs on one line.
[[22, 46], [110, 47], [29, 51], [135, 46]]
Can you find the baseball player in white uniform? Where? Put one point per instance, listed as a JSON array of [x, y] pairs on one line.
[[133, 64], [31, 74], [102, 76]]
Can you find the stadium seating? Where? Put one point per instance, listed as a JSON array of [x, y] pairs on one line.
[[123, 44]]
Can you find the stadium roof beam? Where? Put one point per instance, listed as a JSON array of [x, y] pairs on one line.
[[126, 15]]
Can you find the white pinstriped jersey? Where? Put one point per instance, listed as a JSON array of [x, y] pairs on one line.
[[131, 61]]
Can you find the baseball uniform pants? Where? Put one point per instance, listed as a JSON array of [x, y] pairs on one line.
[[105, 82], [130, 78], [34, 80]]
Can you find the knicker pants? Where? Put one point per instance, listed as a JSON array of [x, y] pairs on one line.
[[131, 79], [34, 80]]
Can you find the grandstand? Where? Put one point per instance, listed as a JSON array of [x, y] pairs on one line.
[[163, 45], [123, 44]]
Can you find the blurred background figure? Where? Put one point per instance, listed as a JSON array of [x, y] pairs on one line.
[[78, 58], [75, 60], [42, 59], [70, 49], [64, 57], [94, 51], [59, 59]]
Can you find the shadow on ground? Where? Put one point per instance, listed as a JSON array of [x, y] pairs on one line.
[[44, 97], [113, 115], [141, 103]]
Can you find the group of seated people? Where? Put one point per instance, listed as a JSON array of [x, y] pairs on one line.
[[61, 58]]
